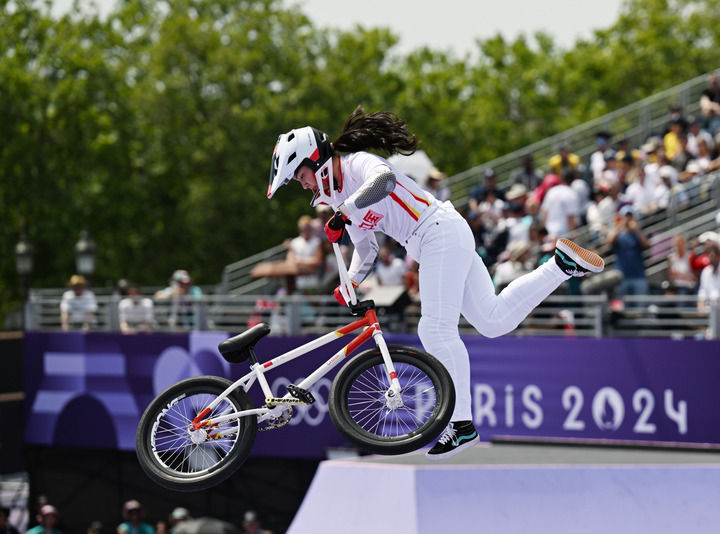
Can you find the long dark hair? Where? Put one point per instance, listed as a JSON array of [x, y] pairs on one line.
[[382, 130]]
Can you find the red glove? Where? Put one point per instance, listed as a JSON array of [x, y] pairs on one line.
[[335, 227], [338, 296]]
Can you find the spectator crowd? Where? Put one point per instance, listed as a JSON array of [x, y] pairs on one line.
[[610, 196], [133, 519]]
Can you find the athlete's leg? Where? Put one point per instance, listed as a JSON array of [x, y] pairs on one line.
[[494, 315], [445, 261]]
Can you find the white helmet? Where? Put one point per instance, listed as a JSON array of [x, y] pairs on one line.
[[303, 146]]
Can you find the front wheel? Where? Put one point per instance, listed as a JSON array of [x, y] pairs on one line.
[[178, 457], [365, 414]]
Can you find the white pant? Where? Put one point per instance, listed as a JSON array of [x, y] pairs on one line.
[[454, 280]]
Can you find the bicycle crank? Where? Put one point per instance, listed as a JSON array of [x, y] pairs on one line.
[[276, 422]]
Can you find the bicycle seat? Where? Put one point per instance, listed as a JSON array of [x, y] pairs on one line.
[[239, 348]]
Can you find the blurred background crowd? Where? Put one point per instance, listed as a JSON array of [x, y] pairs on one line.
[[133, 518]]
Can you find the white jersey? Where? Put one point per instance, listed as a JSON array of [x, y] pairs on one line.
[[397, 215]]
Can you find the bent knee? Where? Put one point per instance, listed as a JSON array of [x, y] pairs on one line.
[[493, 327]]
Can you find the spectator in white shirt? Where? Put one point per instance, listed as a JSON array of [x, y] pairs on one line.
[[78, 305], [602, 212], [641, 191], [390, 270], [305, 252], [561, 207], [597, 158], [135, 312]]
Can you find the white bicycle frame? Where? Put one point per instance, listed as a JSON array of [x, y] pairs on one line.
[[258, 370]]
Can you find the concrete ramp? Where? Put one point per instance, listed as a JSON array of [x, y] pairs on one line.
[[517, 489]]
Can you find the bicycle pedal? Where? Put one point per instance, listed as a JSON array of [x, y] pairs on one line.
[[299, 393]]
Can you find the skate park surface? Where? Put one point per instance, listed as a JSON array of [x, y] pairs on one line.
[[517, 487]]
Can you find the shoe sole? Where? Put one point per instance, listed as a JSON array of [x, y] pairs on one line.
[[456, 450], [584, 258]]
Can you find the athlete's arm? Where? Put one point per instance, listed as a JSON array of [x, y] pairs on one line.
[[363, 258], [377, 187]]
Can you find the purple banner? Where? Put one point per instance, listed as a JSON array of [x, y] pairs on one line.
[[89, 390]]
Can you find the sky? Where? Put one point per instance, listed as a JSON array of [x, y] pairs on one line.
[[454, 25]]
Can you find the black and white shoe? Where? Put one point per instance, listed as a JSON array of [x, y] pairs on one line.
[[574, 260], [458, 435]]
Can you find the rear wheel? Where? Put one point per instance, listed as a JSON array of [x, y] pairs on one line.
[[178, 457], [364, 413]]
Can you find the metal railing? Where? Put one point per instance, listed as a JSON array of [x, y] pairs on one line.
[[236, 277], [635, 122], [694, 216], [558, 315]]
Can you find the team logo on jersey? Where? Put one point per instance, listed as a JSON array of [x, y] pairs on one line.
[[371, 220]]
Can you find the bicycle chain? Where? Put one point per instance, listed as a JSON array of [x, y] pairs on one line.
[[277, 422]]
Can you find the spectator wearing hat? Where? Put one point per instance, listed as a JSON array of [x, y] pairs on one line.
[[514, 264], [48, 520], [435, 185], [177, 516], [78, 305], [665, 166], [527, 175], [698, 262], [487, 192], [668, 191], [251, 524], [561, 207], [514, 222], [628, 243], [133, 515], [564, 160], [550, 181], [182, 295], [597, 158]]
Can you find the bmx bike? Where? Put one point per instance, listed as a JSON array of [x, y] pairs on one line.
[[389, 399]]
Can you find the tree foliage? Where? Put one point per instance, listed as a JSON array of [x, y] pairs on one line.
[[153, 127]]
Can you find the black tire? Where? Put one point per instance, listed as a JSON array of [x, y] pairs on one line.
[[363, 381], [164, 447]]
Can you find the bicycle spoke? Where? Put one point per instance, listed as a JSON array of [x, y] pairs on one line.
[[172, 442], [369, 408]]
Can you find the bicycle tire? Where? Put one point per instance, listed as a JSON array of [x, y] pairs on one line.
[[165, 449], [354, 403]]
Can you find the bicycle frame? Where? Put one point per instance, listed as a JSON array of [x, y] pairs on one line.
[[258, 370]]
